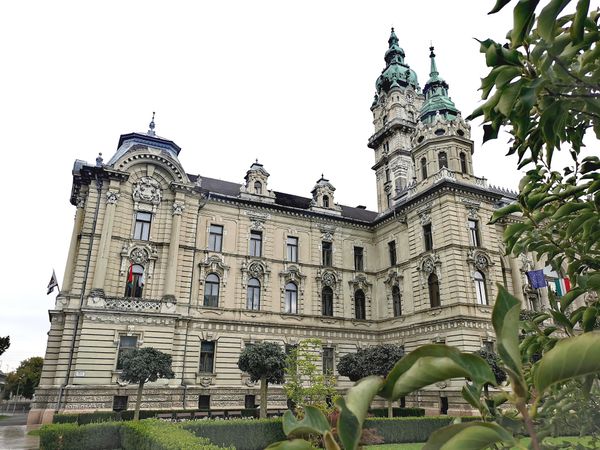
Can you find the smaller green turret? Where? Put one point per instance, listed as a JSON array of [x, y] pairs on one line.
[[436, 96]]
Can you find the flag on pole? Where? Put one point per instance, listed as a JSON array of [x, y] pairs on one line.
[[537, 278], [52, 284], [130, 276], [562, 285]]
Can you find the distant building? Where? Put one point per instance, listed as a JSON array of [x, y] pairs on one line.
[[200, 267]]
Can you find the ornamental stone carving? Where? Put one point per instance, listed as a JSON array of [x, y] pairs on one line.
[[479, 259], [147, 190], [80, 202], [428, 266], [425, 215], [139, 256], [255, 270], [178, 208], [328, 279], [112, 197]]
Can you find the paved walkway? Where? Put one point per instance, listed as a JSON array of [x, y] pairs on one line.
[[13, 434]]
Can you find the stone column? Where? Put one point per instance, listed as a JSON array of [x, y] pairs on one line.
[[70, 266], [515, 275], [112, 196], [178, 207]]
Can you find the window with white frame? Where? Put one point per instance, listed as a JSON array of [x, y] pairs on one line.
[[141, 231], [211, 290], [291, 298], [253, 294], [215, 238], [480, 288], [292, 249]]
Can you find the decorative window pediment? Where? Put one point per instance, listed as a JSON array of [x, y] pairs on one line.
[[479, 259], [327, 232], [214, 264], [136, 253], [429, 264], [359, 281], [323, 198]]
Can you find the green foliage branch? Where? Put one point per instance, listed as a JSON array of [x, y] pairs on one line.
[[25, 378], [143, 365], [264, 362]]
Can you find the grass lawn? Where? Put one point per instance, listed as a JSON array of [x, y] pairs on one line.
[[3, 417], [419, 446]]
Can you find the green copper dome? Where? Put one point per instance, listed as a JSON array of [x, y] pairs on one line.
[[396, 73], [436, 96]]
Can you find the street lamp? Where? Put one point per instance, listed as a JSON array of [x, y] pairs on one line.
[[17, 394]]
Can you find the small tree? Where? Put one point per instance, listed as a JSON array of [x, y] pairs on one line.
[[25, 379], [264, 362], [306, 384], [4, 344], [143, 365], [376, 360]]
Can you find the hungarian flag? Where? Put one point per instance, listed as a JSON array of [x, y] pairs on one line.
[[130, 276], [52, 284], [562, 285]]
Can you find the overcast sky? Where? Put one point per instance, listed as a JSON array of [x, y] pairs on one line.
[[289, 83]]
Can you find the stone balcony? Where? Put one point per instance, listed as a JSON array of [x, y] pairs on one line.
[[129, 304]]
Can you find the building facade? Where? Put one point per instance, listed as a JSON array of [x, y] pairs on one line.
[[198, 267]]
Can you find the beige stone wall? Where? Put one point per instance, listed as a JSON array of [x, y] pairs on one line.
[[174, 320]]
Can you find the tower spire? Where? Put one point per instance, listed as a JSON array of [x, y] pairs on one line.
[[433, 72], [152, 125]]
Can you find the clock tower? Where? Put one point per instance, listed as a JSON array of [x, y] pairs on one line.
[[396, 108]]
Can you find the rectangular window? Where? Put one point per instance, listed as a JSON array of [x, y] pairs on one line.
[[120, 402], [250, 401], [474, 233], [255, 243], [358, 259], [204, 402], [126, 345], [428, 237], [292, 249], [215, 238], [392, 250], [207, 356], [328, 360], [141, 232], [327, 253]]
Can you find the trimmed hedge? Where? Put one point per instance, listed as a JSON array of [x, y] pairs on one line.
[[152, 434], [242, 434], [70, 436], [105, 416], [398, 412], [409, 429], [149, 434]]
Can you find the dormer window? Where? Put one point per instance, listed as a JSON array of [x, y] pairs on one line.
[[258, 188], [325, 201]]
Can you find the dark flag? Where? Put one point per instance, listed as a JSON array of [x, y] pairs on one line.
[[52, 284], [537, 278]]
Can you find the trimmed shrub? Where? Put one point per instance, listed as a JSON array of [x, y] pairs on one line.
[[152, 434], [243, 434], [65, 418], [409, 429], [398, 412], [70, 436], [98, 416]]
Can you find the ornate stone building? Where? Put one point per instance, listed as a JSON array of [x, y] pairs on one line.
[[198, 267]]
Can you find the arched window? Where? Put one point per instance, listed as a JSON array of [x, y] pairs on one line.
[[480, 289], [443, 160], [359, 305], [424, 168], [434, 290], [211, 290], [135, 281], [291, 298], [325, 201], [327, 301], [463, 162], [396, 300], [258, 187], [253, 294]]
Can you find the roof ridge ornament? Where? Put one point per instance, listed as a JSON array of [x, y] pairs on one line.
[[152, 126]]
